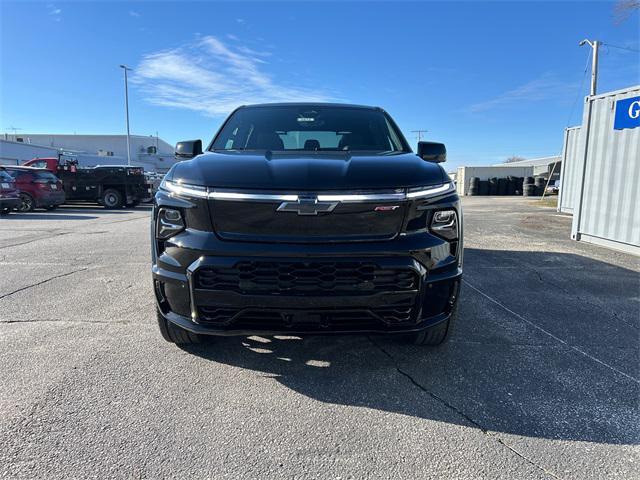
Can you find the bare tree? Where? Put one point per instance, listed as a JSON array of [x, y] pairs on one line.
[[514, 158], [624, 9]]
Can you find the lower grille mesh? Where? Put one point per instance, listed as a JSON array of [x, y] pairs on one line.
[[304, 278], [334, 319]]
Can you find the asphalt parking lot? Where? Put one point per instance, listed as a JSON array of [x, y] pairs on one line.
[[540, 379]]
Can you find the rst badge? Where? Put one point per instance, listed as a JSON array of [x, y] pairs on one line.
[[386, 208]]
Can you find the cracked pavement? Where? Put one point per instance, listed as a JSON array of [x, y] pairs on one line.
[[539, 380]]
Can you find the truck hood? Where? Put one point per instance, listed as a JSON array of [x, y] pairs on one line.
[[308, 171]]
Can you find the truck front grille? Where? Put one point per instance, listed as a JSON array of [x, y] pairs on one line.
[[309, 320], [305, 278]]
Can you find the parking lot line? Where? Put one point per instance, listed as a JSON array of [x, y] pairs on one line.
[[537, 327]]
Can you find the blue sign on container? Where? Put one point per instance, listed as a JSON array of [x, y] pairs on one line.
[[627, 113]]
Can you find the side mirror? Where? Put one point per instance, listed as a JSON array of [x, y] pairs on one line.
[[188, 148], [432, 152]]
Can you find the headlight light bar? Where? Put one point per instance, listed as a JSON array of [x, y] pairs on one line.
[[204, 192]]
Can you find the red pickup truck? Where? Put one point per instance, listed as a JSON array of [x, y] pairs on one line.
[[112, 186]]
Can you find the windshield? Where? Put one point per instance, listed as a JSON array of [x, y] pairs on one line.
[[5, 177], [45, 176], [310, 128]]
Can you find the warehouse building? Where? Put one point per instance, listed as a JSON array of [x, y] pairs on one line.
[[543, 166], [150, 152]]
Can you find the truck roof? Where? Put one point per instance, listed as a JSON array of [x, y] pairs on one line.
[[311, 104]]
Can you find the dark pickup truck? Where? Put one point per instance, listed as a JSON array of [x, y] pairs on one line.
[[307, 218], [111, 186]]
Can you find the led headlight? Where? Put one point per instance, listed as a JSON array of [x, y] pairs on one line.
[[432, 191], [444, 223], [170, 222], [184, 189]]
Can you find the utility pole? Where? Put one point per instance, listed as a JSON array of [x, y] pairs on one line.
[[577, 216], [15, 130], [419, 132], [126, 106], [595, 46]]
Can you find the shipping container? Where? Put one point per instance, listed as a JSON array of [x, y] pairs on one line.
[[606, 209], [569, 174]]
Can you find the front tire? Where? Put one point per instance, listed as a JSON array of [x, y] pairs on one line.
[[174, 334], [112, 199], [438, 334], [27, 204]]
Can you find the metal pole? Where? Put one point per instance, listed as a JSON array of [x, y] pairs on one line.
[[595, 47], [594, 67], [126, 105], [562, 169], [586, 124], [577, 211]]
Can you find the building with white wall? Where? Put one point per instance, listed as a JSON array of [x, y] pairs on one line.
[[540, 165], [150, 152]]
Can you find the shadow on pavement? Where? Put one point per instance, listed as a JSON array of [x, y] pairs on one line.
[[45, 216], [519, 372], [92, 208]]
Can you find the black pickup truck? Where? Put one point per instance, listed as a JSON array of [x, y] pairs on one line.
[[307, 218], [112, 186]]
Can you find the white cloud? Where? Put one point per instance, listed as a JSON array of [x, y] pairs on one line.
[[213, 78], [544, 88], [133, 13], [54, 12]]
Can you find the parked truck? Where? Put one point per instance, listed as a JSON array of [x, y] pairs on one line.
[[112, 186]]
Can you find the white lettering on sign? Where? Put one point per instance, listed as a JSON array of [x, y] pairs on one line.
[[634, 109]]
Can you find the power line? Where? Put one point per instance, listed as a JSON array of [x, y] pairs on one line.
[[419, 132], [580, 90], [15, 129], [573, 107], [622, 48]]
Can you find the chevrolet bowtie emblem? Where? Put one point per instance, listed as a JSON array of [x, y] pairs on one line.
[[307, 206]]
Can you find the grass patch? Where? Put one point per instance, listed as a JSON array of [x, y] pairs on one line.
[[550, 201]]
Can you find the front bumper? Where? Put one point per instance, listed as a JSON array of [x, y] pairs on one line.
[[402, 285], [182, 300], [9, 202], [50, 198]]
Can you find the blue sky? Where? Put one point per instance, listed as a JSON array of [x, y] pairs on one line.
[[490, 79]]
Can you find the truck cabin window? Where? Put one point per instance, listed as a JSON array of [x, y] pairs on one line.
[[317, 129]]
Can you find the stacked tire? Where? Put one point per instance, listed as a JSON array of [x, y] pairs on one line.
[[474, 186], [511, 185], [528, 187], [502, 186], [493, 186]]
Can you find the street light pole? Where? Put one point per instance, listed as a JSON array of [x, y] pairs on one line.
[[595, 46], [126, 106]]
